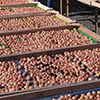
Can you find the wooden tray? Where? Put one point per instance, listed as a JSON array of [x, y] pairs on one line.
[[68, 26], [27, 4], [89, 34], [26, 15], [34, 4], [49, 91]]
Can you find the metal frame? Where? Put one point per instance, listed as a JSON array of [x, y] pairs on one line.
[[19, 5], [96, 20]]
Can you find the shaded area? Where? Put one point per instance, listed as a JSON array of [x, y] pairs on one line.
[[83, 13]]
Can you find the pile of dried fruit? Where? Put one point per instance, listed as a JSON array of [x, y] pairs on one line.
[[44, 40], [89, 96], [13, 1], [4, 50], [29, 22], [50, 70], [10, 11]]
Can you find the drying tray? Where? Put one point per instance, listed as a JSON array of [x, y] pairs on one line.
[[30, 3], [57, 16], [95, 38], [4, 7], [49, 11], [53, 90], [73, 94]]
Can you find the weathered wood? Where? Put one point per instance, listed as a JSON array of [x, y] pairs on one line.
[[18, 5], [67, 8], [49, 52], [27, 15], [28, 4], [61, 6], [68, 26], [96, 20], [26, 31], [49, 91]]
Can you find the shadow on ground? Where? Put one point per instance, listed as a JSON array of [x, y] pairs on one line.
[[84, 14]]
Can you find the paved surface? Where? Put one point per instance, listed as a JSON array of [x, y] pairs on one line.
[[83, 13]]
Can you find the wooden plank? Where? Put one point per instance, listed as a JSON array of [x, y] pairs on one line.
[[49, 52], [26, 15], [43, 6], [26, 31], [61, 6], [94, 35], [67, 8], [50, 91], [50, 10], [65, 18], [69, 26], [19, 5]]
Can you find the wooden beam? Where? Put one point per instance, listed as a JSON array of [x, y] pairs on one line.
[[61, 6], [67, 8], [96, 20], [19, 5], [48, 52]]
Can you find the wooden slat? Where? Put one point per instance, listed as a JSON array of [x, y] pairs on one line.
[[64, 18], [68, 26], [94, 35], [88, 2], [26, 31], [50, 91], [18, 5], [26, 15], [49, 52], [43, 6], [28, 4]]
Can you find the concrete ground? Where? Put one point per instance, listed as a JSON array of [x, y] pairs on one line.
[[83, 13]]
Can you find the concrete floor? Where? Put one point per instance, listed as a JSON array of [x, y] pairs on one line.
[[83, 13]]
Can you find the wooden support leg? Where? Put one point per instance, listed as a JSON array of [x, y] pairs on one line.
[[67, 8], [96, 20], [61, 6]]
